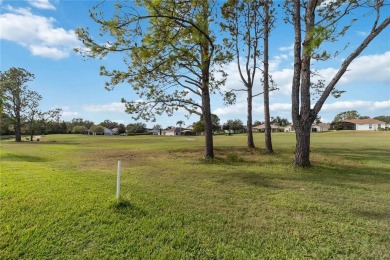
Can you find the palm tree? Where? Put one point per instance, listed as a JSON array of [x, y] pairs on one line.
[[180, 123]]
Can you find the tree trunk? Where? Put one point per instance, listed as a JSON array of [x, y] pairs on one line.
[[18, 129], [31, 131], [251, 144], [302, 146], [267, 121], [18, 133], [208, 130]]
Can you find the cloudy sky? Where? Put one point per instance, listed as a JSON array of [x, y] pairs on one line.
[[38, 35]]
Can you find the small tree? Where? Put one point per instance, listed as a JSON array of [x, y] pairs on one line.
[[79, 129], [136, 128], [198, 127], [97, 129], [109, 124], [233, 125], [121, 129], [34, 112], [279, 121]]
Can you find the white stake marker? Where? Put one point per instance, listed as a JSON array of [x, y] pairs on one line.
[[118, 180]]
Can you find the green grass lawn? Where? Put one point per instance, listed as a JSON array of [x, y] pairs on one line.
[[58, 198]]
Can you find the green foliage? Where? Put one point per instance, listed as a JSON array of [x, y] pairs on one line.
[[172, 59], [198, 127], [109, 124], [136, 128], [383, 118], [19, 103], [235, 124], [352, 114], [79, 129], [80, 121], [98, 129], [279, 121]]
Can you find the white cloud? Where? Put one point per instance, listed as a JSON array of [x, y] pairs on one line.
[[234, 80], [70, 114], [360, 33], [369, 68], [112, 107], [288, 49], [42, 4], [283, 80], [49, 52], [37, 33], [356, 105]]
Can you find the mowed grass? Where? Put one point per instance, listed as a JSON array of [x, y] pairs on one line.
[[58, 198]]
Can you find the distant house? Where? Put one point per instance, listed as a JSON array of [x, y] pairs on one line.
[[274, 128], [108, 131], [154, 131], [289, 128], [359, 124], [320, 127], [174, 131]]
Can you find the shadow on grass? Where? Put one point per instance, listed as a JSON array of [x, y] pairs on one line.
[[372, 214], [379, 155], [124, 206], [22, 158], [256, 179]]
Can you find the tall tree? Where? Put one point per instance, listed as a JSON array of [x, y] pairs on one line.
[[33, 111], [17, 98], [170, 53], [249, 21], [316, 22], [268, 21]]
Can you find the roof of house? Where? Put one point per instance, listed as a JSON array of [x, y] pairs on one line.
[[272, 127], [323, 125], [176, 129], [364, 121]]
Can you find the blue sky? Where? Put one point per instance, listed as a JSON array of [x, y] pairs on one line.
[[39, 36]]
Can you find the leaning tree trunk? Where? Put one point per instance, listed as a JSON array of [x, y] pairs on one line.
[[251, 144], [302, 146]]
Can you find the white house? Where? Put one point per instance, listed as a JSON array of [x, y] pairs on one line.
[[154, 131], [108, 131], [361, 124], [320, 127], [174, 131], [289, 128], [274, 128]]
